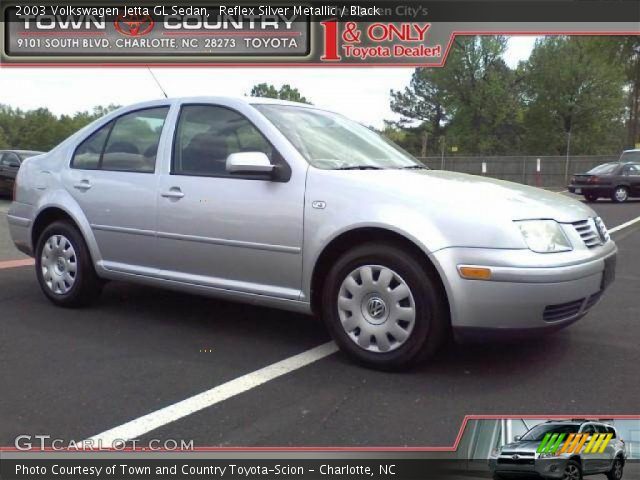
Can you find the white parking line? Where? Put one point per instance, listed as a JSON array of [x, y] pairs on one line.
[[624, 225], [164, 416]]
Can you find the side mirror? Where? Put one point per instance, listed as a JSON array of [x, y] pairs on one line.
[[249, 162], [517, 438]]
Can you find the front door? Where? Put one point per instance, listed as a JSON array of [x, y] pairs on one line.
[[112, 177], [225, 230]]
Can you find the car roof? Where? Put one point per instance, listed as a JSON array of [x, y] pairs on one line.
[[216, 99]]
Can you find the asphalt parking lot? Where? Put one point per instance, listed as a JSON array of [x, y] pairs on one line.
[[73, 374]]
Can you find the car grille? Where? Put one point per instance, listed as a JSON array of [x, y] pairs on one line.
[[517, 461], [589, 230], [563, 311], [593, 299]]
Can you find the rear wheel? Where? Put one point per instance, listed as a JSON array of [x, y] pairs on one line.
[[590, 197], [384, 308], [620, 194], [64, 267]]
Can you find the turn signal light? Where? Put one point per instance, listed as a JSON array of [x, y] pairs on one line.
[[475, 273]]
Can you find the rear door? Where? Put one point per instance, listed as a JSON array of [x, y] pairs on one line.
[[112, 177]]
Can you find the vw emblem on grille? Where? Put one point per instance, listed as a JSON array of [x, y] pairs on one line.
[[516, 457], [376, 307]]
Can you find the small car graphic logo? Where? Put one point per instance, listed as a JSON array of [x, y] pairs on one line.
[[515, 457], [134, 25]]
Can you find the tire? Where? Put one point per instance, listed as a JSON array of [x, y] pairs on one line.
[[591, 198], [55, 270], [620, 194], [617, 470], [572, 471], [395, 338]]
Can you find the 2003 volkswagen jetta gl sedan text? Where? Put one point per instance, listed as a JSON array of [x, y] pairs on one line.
[[291, 206]]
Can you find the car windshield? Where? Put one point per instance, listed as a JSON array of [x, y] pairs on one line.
[[633, 156], [538, 432], [604, 169], [331, 141]]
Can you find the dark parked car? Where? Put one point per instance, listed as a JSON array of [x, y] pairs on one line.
[[10, 161], [618, 181]]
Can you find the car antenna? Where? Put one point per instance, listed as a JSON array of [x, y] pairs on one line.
[[157, 82]]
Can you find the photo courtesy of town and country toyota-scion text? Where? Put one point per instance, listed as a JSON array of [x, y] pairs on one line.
[[386, 240]]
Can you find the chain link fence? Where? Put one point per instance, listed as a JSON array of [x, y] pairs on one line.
[[554, 170]]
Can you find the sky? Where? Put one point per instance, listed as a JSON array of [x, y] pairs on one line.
[[359, 93]]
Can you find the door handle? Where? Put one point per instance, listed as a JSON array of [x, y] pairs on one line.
[[174, 192], [83, 185]]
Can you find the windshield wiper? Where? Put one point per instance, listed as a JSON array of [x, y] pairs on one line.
[[415, 167], [359, 167]]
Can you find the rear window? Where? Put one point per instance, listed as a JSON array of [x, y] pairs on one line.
[[630, 157], [604, 169]]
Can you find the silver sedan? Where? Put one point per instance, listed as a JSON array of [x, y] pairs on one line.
[[294, 207]]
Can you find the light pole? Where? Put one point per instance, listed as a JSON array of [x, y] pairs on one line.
[[566, 163]]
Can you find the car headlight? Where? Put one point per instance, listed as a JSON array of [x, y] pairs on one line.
[[544, 236], [496, 452], [547, 455]]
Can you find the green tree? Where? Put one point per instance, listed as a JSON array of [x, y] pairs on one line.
[[422, 102], [40, 129], [483, 97], [575, 97], [473, 100], [286, 92]]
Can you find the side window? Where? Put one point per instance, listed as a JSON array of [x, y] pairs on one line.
[[612, 431], [87, 155], [634, 170], [206, 135], [588, 429], [9, 158], [132, 145]]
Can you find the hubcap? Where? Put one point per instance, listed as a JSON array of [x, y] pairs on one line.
[[571, 473], [376, 308], [59, 264], [621, 194]]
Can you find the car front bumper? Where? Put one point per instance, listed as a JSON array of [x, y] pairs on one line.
[[552, 467], [528, 292]]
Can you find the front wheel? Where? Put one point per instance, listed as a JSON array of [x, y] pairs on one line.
[[616, 470], [572, 471], [64, 267], [383, 307]]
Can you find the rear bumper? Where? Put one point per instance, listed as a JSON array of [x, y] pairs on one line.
[[600, 190], [20, 226], [520, 301]]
